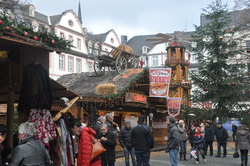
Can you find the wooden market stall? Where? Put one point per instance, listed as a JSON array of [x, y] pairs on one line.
[[126, 95], [16, 52]]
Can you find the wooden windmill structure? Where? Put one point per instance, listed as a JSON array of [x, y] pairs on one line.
[[178, 60]]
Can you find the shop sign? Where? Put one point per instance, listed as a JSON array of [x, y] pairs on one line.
[[174, 106], [135, 97], [159, 81], [159, 125]]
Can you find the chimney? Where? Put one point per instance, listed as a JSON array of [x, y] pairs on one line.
[[124, 39]]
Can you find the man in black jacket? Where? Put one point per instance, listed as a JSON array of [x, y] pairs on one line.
[[125, 142], [108, 141], [142, 141], [221, 137], [209, 137], [173, 141], [234, 130]]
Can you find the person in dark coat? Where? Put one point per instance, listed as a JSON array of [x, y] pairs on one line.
[[108, 141], [142, 141], [29, 151], [234, 130], [126, 143], [209, 137], [243, 143], [101, 120], [221, 137], [173, 141], [112, 126], [191, 134]]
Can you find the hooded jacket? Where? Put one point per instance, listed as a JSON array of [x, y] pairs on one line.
[[198, 139], [243, 139]]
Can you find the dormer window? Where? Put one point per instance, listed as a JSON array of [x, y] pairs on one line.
[[31, 11], [144, 49]]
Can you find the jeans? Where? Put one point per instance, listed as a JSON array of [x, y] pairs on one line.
[[210, 144], [142, 158], [183, 146], [244, 156], [201, 152], [173, 157], [224, 145], [132, 153]]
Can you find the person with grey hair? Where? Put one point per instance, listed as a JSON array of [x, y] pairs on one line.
[[101, 120], [110, 123], [29, 151], [108, 140]]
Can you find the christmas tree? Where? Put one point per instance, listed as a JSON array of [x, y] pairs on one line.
[[222, 79]]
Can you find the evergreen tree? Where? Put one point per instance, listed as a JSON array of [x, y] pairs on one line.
[[222, 79]]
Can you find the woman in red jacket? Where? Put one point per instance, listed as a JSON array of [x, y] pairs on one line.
[[85, 148]]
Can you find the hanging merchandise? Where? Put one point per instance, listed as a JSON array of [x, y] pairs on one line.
[[46, 129], [36, 89]]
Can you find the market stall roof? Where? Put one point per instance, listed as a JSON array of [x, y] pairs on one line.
[[85, 83], [58, 92]]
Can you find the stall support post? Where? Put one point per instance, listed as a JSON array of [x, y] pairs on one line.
[[10, 117]]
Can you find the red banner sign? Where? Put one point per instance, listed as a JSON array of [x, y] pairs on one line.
[[135, 97], [159, 81], [174, 106]]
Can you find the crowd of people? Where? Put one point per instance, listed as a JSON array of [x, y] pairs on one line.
[[136, 142], [201, 138]]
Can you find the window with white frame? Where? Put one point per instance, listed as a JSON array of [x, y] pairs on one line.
[[31, 12], [35, 28], [78, 43], [78, 65], [193, 58], [71, 38], [70, 63], [155, 60], [61, 62], [144, 49], [89, 66]]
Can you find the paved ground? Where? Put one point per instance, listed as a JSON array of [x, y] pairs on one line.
[[160, 158]]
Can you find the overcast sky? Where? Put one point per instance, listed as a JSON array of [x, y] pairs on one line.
[[132, 17]]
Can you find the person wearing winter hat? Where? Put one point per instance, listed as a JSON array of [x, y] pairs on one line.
[[243, 143], [126, 143], [199, 144], [173, 141]]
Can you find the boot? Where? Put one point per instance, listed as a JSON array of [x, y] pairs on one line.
[[184, 155], [180, 156]]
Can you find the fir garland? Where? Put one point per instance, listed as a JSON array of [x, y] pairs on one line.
[[21, 30], [109, 97]]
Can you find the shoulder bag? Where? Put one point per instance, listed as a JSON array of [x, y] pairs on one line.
[[97, 148]]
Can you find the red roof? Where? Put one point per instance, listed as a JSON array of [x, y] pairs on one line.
[[175, 44]]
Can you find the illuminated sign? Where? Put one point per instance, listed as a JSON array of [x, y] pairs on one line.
[[135, 97]]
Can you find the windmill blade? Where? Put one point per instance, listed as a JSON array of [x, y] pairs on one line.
[[154, 39]]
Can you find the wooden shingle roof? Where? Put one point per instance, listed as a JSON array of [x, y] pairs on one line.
[[84, 83]]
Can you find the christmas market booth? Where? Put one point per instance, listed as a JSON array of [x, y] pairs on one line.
[[126, 95], [25, 84]]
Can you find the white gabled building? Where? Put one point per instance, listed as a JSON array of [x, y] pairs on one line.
[[69, 26]]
